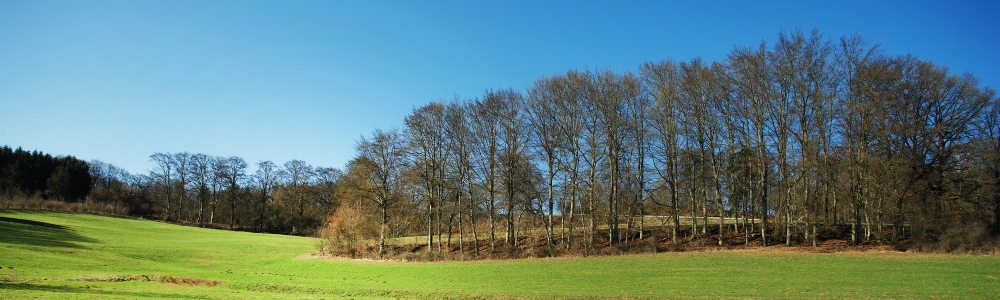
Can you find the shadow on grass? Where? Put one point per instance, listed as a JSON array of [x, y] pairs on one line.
[[85, 290], [35, 233]]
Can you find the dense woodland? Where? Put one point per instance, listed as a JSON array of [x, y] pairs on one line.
[[776, 144], [41, 175]]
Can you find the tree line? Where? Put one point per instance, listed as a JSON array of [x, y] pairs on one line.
[[217, 191], [780, 142], [36, 173], [194, 189]]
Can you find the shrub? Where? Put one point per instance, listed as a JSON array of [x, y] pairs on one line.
[[348, 233]]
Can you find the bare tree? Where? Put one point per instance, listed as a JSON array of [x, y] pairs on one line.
[[568, 96], [182, 167], [218, 183], [425, 130], [662, 82], [543, 118], [298, 174], [163, 173], [201, 170], [486, 129], [267, 177], [460, 142], [512, 156], [611, 93], [638, 108], [384, 157], [327, 179], [751, 82], [232, 170], [989, 139], [802, 75]]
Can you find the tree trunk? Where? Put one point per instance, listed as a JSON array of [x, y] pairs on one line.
[[676, 212], [382, 231], [472, 218], [549, 227], [430, 223]]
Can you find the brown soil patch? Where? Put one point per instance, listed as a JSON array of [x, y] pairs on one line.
[[154, 278]]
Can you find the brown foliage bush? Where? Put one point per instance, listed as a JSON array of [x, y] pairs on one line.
[[348, 232]]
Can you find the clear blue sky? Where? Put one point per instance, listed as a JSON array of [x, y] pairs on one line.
[[281, 80]]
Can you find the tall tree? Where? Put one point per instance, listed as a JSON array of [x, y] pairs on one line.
[[486, 148], [298, 174], [201, 171], [989, 139], [163, 173], [182, 167], [266, 178], [327, 178], [568, 95], [384, 157], [512, 156], [233, 171], [752, 85], [662, 82], [611, 93], [460, 141], [543, 118], [425, 129]]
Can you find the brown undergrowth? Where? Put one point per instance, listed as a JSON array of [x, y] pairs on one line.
[[830, 240], [35, 203]]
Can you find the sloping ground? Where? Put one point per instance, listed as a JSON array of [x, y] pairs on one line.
[[68, 256]]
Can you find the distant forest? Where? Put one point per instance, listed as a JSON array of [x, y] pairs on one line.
[[39, 174], [777, 143]]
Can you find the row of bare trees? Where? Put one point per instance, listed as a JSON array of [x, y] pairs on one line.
[[777, 143], [217, 191]]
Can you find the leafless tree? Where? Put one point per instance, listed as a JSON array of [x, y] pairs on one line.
[[384, 157], [544, 127], [201, 170], [425, 130], [752, 85], [163, 173], [266, 178], [662, 82], [232, 170]]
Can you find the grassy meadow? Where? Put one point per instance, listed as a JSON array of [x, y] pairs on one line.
[[68, 256]]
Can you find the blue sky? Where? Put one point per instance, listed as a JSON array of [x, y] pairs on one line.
[[281, 80]]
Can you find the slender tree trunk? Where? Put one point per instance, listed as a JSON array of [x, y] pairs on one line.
[[722, 205], [211, 218], [549, 227], [676, 212], [572, 211], [613, 205], [472, 218], [232, 205], [491, 205], [593, 209], [764, 208], [201, 206], [438, 227], [694, 210], [461, 238], [430, 221], [382, 230]]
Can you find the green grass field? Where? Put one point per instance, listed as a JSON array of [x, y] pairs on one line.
[[64, 256]]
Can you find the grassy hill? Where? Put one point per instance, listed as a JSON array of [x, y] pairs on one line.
[[66, 256]]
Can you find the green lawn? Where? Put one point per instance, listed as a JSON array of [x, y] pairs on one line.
[[61, 255]]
